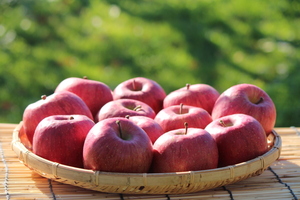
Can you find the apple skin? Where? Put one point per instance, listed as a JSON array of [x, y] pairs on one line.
[[246, 99], [176, 151], [151, 127], [142, 89], [123, 107], [24, 139], [60, 138], [199, 95], [174, 117], [106, 150], [94, 93], [239, 138], [59, 103]]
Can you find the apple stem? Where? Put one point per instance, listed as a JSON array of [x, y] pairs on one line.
[[222, 123], [120, 129], [85, 77], [261, 99], [127, 116], [71, 117], [133, 84], [44, 97], [188, 86], [138, 108], [181, 108], [186, 125]]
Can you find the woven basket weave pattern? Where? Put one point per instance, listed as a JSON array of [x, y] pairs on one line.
[[156, 183]]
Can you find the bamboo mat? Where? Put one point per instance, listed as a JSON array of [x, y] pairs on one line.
[[280, 181]]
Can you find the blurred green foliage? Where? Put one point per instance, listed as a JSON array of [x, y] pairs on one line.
[[220, 43]]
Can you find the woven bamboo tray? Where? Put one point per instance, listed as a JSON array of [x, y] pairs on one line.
[[147, 183]]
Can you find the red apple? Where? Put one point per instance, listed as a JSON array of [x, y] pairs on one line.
[[60, 138], [24, 139], [117, 145], [151, 127], [60, 103], [184, 149], [173, 117], [94, 93], [199, 95], [123, 107], [247, 99], [239, 138], [142, 89]]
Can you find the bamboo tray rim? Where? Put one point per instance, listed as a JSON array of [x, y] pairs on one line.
[[146, 183]]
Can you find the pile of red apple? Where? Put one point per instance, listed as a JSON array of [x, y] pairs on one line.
[[138, 128]]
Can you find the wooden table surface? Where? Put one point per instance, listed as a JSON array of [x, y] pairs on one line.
[[280, 181]]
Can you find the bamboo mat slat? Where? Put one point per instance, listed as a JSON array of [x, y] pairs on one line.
[[280, 181]]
